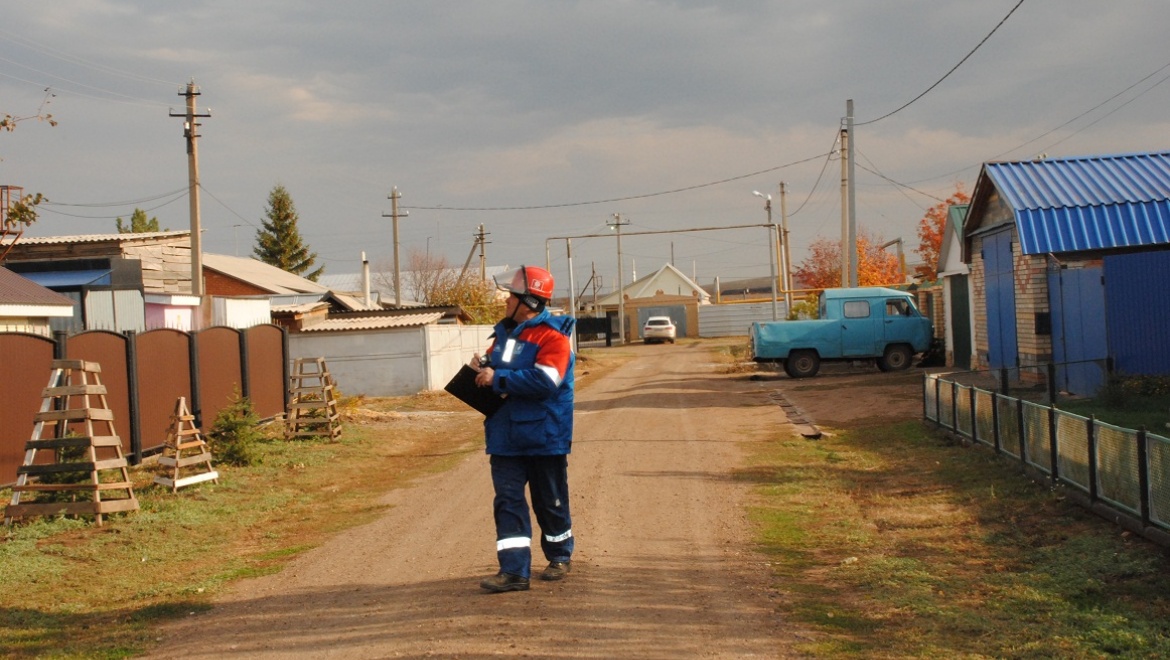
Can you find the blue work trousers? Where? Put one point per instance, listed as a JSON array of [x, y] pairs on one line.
[[548, 480]]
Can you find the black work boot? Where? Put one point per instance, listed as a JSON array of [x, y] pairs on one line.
[[504, 582], [557, 570]]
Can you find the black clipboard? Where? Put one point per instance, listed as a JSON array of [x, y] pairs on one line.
[[483, 399]]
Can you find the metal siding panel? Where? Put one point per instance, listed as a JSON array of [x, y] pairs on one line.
[[1137, 301], [130, 310], [99, 310]]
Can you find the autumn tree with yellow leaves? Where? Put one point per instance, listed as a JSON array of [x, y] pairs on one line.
[[930, 233]]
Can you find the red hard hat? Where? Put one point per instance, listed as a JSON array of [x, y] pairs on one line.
[[531, 280]]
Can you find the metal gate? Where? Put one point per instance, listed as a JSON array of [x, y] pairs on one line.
[[1076, 298], [1002, 348]]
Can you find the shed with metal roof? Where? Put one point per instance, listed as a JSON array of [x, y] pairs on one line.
[[1070, 261]]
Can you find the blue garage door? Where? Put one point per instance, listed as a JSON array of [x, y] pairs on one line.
[[1002, 351]]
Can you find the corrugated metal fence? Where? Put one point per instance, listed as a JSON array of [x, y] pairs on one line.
[[144, 375], [1123, 474]]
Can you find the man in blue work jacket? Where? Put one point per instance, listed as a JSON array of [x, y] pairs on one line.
[[530, 364]]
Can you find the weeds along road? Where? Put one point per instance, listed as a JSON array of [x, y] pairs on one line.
[[664, 566]]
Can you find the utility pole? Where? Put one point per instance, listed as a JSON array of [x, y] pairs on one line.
[[618, 224], [844, 207], [481, 240], [394, 214], [787, 251], [191, 133], [852, 193]]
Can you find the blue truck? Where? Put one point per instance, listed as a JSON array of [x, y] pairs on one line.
[[867, 323]]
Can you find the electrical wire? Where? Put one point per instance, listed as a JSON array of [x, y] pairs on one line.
[[824, 167], [616, 199], [128, 202], [1079, 130], [901, 186], [230, 209], [79, 61], [948, 73], [112, 217]]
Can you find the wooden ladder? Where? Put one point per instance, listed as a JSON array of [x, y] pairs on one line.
[[312, 408], [184, 437], [76, 466]]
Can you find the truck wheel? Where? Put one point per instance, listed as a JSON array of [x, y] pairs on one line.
[[896, 358], [802, 364]]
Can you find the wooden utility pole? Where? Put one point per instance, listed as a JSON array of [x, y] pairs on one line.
[[191, 133], [481, 241], [394, 214], [844, 207], [852, 197]]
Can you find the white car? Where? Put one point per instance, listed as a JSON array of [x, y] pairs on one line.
[[658, 329]]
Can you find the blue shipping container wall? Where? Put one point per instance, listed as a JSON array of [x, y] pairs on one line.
[[1137, 302]]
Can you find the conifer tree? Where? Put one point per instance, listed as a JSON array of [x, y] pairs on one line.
[[278, 241], [138, 224]]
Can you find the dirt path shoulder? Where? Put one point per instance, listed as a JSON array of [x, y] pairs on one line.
[[664, 565]]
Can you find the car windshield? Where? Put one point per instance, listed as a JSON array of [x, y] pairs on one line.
[[658, 322]]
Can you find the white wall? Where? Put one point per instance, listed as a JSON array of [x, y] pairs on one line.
[[394, 361], [728, 320], [450, 347], [374, 362]]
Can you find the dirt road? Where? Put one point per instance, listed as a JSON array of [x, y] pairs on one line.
[[664, 566]]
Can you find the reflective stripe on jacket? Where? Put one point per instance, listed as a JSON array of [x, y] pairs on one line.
[[533, 366]]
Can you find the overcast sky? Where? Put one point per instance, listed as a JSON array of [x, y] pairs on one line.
[[677, 110]]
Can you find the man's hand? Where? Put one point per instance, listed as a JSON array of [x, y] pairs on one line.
[[484, 377]]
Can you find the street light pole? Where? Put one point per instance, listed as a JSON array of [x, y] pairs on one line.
[[772, 236], [787, 250]]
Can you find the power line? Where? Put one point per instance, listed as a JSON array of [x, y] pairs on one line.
[[1057, 128], [617, 199], [898, 184], [122, 203], [824, 167], [181, 195], [79, 61], [948, 73], [230, 209]]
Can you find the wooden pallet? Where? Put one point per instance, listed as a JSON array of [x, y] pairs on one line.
[[81, 454], [185, 451], [312, 408]]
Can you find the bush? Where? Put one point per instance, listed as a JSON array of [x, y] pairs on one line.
[[1121, 390], [234, 435]]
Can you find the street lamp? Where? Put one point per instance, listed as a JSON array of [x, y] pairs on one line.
[[771, 250]]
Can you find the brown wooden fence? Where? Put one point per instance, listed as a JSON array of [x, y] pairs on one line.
[[145, 375]]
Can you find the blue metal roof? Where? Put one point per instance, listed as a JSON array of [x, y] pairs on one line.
[[69, 278], [1087, 203]]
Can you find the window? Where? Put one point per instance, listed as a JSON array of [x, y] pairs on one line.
[[897, 307], [857, 309]]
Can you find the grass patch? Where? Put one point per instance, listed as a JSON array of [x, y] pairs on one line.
[[70, 589], [893, 542]]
